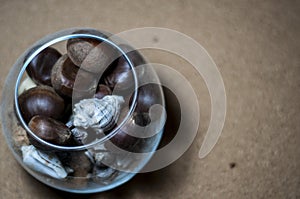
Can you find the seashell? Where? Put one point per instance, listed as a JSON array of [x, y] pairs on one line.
[[106, 158], [98, 114], [103, 173], [103, 159], [90, 156], [102, 155], [45, 163], [79, 135], [69, 123], [26, 85]]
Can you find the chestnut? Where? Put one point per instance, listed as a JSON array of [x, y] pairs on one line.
[[64, 74], [135, 57], [102, 91], [119, 75], [99, 58], [79, 48], [124, 141], [174, 115], [81, 165], [50, 130], [41, 100], [148, 95], [124, 138], [39, 69]]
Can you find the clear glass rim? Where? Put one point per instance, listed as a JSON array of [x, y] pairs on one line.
[[52, 42]]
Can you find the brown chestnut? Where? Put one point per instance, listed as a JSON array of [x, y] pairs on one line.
[[124, 138], [148, 95], [124, 141], [41, 100], [172, 124], [102, 91], [50, 130], [65, 73], [39, 69], [81, 165], [79, 48], [99, 58], [135, 56], [119, 75]]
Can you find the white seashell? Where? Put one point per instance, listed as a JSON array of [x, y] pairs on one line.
[[102, 174], [69, 124], [25, 85], [98, 154], [98, 114], [100, 147], [79, 135], [46, 163], [90, 156], [106, 158]]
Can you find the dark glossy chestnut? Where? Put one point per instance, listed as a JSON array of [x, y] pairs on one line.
[[39, 69], [81, 165], [50, 130], [148, 95], [124, 138], [41, 100], [173, 120], [65, 73], [124, 141], [119, 76], [102, 91]]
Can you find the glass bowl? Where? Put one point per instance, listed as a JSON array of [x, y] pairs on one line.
[[82, 157]]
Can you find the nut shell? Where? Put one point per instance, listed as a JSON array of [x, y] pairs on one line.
[[39, 69], [50, 130], [124, 140], [148, 95], [102, 91], [65, 73], [79, 48], [41, 100], [119, 76], [99, 58]]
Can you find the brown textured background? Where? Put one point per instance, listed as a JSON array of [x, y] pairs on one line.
[[256, 47]]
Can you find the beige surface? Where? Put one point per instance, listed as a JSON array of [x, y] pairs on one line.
[[257, 49]]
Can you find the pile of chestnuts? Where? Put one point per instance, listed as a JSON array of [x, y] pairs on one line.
[[89, 69], [47, 107]]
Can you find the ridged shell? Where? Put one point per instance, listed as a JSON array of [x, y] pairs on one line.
[[79, 135], [97, 114], [102, 174], [46, 163]]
